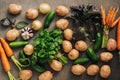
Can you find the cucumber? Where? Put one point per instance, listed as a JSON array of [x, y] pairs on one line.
[[81, 60]]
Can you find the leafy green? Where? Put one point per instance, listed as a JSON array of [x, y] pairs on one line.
[[47, 44]]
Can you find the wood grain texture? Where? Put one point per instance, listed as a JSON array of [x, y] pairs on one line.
[[65, 74]]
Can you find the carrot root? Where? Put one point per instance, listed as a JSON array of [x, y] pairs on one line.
[[103, 14], [115, 22]]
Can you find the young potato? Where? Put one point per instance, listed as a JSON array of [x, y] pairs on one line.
[[106, 56], [105, 71], [81, 45], [62, 24], [28, 49], [44, 8], [12, 34], [111, 44], [73, 54], [68, 34], [37, 25], [47, 75], [67, 46], [14, 8], [25, 74], [92, 69], [78, 69], [62, 10], [56, 65], [32, 13]]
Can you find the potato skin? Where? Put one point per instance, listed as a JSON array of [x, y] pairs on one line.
[[111, 44], [78, 69], [62, 10], [25, 74], [68, 34], [105, 71], [47, 75], [62, 24], [81, 45], [73, 54], [92, 69], [106, 56], [56, 65], [67, 46], [14, 8]]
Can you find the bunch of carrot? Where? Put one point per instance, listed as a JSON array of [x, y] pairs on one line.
[[5, 63], [109, 22]]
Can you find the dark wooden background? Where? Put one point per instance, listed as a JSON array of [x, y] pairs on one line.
[[65, 74]]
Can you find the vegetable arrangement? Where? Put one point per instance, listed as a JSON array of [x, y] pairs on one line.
[[51, 46]]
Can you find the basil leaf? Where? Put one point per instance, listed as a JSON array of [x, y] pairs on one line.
[[21, 24]]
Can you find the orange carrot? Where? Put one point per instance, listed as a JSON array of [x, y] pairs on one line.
[[4, 60], [108, 15], [7, 48], [115, 22], [103, 14], [118, 35], [9, 53]]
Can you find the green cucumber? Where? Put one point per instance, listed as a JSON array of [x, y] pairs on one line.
[[81, 60]]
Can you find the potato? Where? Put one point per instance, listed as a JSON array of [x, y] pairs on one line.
[[68, 33], [92, 69], [73, 54], [105, 71], [78, 69], [56, 65], [14, 8], [62, 10], [25, 74], [44, 8], [28, 49], [106, 56], [67, 46], [111, 44], [81, 45], [62, 24], [47, 75], [32, 13]]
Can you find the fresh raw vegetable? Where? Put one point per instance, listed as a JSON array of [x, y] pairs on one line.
[[37, 25], [81, 45], [49, 19], [25, 74], [56, 65], [62, 24], [92, 69], [5, 63], [111, 44], [38, 67], [108, 22], [98, 42], [44, 8], [47, 75], [28, 49], [78, 69], [27, 33], [106, 56], [12, 34], [91, 54], [23, 59], [118, 39], [14, 8], [68, 34], [67, 46], [9, 53], [105, 71], [32, 13], [21, 24], [18, 43], [62, 10], [73, 54], [81, 60], [6, 22], [86, 21]]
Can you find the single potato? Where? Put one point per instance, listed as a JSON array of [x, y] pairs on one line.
[[78, 69], [68, 34], [25, 74], [67, 46], [73, 54], [105, 71], [106, 56], [92, 69], [111, 44]]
